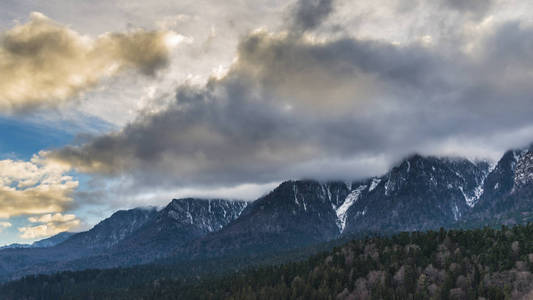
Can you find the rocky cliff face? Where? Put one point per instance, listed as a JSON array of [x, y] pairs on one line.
[[180, 222], [508, 190], [295, 214], [111, 231], [420, 193], [523, 175], [126, 238], [207, 215]]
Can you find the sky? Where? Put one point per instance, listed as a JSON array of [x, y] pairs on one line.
[[108, 105]]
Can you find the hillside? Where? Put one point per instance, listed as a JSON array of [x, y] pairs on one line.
[[457, 264]]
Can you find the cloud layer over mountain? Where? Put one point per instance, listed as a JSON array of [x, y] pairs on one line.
[[298, 104], [255, 94]]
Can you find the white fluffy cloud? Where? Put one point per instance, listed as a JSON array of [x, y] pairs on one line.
[[50, 224], [37, 186], [4, 225]]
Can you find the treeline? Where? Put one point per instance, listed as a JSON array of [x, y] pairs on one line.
[[456, 264], [117, 282]]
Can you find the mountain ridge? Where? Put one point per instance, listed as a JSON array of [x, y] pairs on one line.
[[419, 193]]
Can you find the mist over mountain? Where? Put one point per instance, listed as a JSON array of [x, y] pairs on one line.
[[420, 193]]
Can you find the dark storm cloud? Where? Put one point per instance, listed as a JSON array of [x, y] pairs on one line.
[[255, 122], [308, 14], [511, 44], [294, 107], [224, 134]]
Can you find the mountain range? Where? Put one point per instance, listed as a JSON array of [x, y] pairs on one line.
[[47, 242], [419, 193]]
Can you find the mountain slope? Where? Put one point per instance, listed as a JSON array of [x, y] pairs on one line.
[[295, 214], [47, 242], [53, 240], [508, 196], [456, 264], [17, 262], [110, 231], [127, 237], [419, 194], [180, 222]]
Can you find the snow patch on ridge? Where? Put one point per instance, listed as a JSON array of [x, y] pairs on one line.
[[374, 184], [295, 190], [456, 212], [471, 201], [348, 202]]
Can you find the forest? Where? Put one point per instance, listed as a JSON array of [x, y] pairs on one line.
[[456, 264]]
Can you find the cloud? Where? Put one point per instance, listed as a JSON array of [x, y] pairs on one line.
[[313, 105], [37, 186], [475, 7], [56, 218], [294, 106], [51, 224], [44, 63], [128, 193], [4, 225], [308, 14]]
